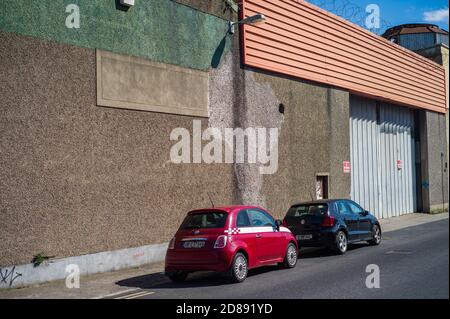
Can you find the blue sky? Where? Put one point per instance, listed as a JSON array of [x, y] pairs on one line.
[[407, 11]]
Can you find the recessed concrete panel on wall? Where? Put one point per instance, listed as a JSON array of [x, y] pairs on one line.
[[382, 157], [140, 84]]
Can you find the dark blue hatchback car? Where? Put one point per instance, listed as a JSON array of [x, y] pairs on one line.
[[333, 223]]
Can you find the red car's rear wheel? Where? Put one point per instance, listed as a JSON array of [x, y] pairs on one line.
[[239, 268]]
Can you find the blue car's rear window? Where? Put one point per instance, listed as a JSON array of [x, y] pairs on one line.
[[302, 210], [205, 220]]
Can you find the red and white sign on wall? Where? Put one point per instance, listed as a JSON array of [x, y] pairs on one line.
[[346, 167], [399, 164]]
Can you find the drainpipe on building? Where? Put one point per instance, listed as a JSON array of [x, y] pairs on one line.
[[443, 170]]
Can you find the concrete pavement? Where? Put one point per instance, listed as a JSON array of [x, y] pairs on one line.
[[409, 221], [425, 246]]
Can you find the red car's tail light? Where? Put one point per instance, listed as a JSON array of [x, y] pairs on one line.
[[172, 243], [328, 221], [221, 241]]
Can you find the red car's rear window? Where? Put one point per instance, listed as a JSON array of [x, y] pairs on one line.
[[205, 219]]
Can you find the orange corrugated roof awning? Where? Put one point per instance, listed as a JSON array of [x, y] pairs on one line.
[[302, 40]]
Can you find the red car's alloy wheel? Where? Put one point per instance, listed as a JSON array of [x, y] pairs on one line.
[[291, 256], [239, 268]]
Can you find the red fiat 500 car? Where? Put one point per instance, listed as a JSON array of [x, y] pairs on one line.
[[230, 239]]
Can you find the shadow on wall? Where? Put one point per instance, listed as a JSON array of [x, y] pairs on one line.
[[218, 53], [121, 7]]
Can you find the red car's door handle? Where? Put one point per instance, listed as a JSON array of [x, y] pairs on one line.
[[258, 236]]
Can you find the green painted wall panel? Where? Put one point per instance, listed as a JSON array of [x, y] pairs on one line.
[[160, 30]]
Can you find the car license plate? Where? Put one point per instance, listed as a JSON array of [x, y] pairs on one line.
[[304, 237], [194, 244]]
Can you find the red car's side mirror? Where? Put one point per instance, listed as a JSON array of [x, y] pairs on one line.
[[278, 223]]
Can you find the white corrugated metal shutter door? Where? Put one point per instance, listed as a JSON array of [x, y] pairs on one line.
[[382, 157]]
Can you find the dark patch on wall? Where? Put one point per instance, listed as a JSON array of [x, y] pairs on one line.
[[314, 138]]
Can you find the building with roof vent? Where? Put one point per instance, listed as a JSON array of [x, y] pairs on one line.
[[429, 41], [417, 36]]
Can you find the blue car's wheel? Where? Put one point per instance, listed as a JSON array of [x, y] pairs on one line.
[[341, 242], [376, 235]]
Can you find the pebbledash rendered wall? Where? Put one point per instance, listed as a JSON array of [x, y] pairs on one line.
[[94, 185]]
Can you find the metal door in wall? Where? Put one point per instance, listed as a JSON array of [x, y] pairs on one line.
[[382, 157]]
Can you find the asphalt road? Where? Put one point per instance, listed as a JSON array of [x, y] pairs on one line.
[[413, 263]]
